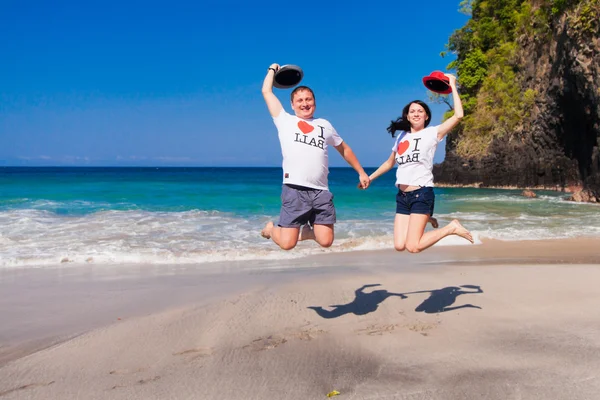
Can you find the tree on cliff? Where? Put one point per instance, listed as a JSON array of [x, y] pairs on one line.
[[529, 73]]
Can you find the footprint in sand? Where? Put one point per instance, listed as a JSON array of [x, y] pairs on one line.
[[273, 341], [203, 350], [378, 330], [139, 382], [24, 387], [126, 371], [308, 334], [196, 353], [421, 327], [144, 381], [266, 343]]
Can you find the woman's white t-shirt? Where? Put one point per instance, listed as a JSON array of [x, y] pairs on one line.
[[414, 156]]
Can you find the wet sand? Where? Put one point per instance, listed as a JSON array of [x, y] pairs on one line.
[[499, 320]]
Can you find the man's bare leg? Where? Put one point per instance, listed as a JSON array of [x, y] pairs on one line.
[[306, 233], [266, 231], [323, 234], [285, 238]]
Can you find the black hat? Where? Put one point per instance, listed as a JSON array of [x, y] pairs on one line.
[[288, 76]]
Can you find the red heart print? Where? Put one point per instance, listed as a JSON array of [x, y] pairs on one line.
[[305, 127], [402, 147]]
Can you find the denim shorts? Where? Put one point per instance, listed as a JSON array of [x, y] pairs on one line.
[[300, 205], [420, 201]]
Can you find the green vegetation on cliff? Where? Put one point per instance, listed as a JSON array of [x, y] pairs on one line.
[[488, 63]]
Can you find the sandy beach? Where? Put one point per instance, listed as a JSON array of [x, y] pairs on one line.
[[501, 320]]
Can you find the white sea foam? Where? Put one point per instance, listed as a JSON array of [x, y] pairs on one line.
[[36, 237], [488, 199]]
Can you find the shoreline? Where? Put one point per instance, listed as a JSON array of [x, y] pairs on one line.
[[479, 185], [304, 251]]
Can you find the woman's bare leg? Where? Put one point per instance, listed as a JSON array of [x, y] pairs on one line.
[[400, 231], [417, 240]]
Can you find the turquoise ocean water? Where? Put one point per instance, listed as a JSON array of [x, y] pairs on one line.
[[53, 216]]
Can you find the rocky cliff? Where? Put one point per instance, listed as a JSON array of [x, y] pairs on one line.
[[533, 110]]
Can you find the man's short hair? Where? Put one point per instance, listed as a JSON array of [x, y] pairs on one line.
[[299, 88]]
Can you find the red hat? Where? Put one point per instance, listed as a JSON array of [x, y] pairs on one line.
[[437, 82]]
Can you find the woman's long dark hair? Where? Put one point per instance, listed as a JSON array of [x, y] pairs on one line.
[[402, 124]]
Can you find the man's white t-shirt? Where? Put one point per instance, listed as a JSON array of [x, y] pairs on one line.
[[414, 156], [304, 144]]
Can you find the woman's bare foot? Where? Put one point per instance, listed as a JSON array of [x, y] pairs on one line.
[[434, 222], [458, 229], [306, 233], [266, 232]]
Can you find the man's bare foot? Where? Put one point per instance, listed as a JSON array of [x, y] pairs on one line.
[[434, 222], [266, 232], [306, 233], [458, 229]]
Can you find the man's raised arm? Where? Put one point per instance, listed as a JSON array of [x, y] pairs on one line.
[[272, 101]]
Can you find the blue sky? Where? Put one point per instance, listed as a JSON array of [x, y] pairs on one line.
[[119, 83]]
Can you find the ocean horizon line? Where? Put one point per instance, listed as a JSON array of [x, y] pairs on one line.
[[158, 166]]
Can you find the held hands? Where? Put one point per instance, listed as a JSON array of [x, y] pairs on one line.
[[365, 181]]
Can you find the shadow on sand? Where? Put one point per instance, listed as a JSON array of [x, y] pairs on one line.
[[362, 304], [439, 300]]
